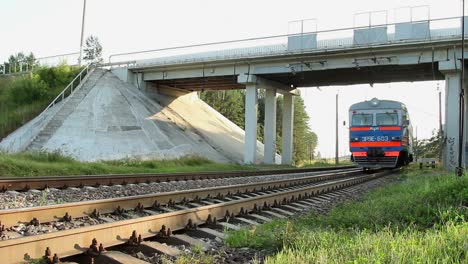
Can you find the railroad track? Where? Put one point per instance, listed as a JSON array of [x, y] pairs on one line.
[[175, 211], [40, 183]]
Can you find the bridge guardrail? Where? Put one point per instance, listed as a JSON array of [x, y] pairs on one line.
[[305, 42]]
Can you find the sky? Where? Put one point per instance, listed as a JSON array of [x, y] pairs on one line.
[[51, 27]]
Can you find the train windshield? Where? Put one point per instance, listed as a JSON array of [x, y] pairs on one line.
[[386, 119], [362, 120]]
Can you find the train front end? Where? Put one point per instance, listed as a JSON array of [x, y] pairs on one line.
[[379, 134]]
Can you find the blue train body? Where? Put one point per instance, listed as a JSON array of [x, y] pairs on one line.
[[380, 134]]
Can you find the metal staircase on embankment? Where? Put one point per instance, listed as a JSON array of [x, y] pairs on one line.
[[67, 107]]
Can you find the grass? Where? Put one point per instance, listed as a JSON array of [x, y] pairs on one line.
[[53, 164], [444, 245], [420, 219], [324, 163], [197, 258]]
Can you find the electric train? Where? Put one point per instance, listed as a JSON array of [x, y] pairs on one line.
[[380, 134]]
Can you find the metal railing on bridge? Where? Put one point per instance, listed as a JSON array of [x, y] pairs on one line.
[[420, 31]]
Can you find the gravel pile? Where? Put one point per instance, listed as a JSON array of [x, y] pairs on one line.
[[30, 229], [32, 198]]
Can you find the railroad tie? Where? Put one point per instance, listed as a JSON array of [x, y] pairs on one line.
[[230, 226], [274, 214], [195, 204], [261, 217], [192, 241], [281, 211], [211, 232], [300, 205], [162, 248], [287, 206], [247, 221], [120, 257], [306, 203]]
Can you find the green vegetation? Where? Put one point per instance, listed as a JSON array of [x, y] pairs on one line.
[[428, 148], [18, 62], [231, 104], [23, 97], [196, 258], [93, 50], [445, 245], [421, 219], [53, 164]]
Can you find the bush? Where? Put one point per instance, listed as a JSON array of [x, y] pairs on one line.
[[57, 76], [26, 90], [22, 98]]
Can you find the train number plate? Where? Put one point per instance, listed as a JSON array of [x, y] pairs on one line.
[[374, 138]]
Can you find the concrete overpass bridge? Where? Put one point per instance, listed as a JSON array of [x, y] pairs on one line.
[[409, 51]]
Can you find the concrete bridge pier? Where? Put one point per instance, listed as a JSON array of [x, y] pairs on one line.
[[452, 71], [251, 105], [252, 84], [269, 129], [287, 129]]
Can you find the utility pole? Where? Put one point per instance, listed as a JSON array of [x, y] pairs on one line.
[[336, 131], [417, 145], [441, 136], [80, 59], [461, 102]]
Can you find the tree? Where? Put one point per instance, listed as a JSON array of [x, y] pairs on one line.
[[93, 50], [428, 148], [304, 139], [19, 62], [229, 103]]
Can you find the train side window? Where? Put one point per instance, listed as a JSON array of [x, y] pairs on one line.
[[362, 120], [406, 120]]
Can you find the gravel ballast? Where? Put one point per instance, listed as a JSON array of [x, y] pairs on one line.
[[32, 198]]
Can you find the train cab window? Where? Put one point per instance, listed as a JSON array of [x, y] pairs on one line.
[[386, 119], [362, 120]]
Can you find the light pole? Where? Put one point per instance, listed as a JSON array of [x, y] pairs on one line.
[[82, 33], [336, 130], [441, 133]]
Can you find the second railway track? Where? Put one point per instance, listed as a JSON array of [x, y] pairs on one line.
[[219, 202], [39, 183]]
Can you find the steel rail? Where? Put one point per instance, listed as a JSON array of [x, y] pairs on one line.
[[12, 217], [26, 183], [75, 241]]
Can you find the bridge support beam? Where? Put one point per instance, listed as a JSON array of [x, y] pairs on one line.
[[451, 70], [269, 136], [287, 129], [251, 102]]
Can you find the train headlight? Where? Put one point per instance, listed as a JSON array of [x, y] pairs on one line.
[[396, 138]]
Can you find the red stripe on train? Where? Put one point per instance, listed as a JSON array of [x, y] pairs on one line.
[[359, 128], [375, 144], [390, 128]]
